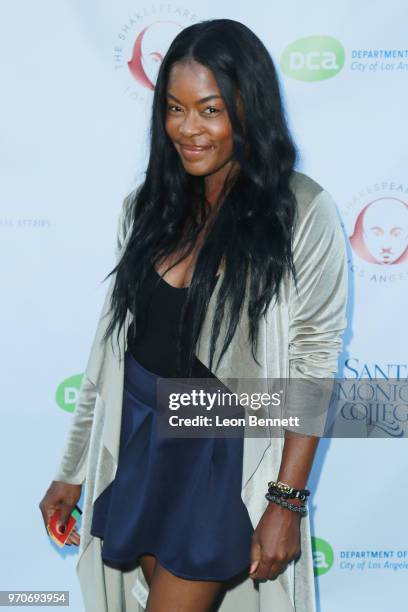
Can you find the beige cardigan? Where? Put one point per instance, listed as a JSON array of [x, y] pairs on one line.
[[301, 336]]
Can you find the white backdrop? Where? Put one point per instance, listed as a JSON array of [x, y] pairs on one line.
[[73, 138]]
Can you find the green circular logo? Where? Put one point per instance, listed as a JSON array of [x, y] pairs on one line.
[[313, 58], [66, 394], [323, 556]]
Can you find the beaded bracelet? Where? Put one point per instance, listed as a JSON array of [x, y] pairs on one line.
[[287, 492], [302, 510]]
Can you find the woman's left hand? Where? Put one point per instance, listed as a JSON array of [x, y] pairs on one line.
[[275, 542]]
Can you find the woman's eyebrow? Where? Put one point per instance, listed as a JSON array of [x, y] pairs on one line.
[[200, 101]]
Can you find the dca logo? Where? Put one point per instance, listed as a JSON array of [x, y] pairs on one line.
[[323, 556], [313, 58], [66, 394]]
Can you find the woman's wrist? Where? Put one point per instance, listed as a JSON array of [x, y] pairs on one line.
[[275, 509], [287, 491], [287, 497], [301, 509]]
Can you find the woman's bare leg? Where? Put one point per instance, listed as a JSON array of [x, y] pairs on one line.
[[147, 563], [169, 592]]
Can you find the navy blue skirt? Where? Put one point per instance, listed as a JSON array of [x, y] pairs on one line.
[[178, 499]]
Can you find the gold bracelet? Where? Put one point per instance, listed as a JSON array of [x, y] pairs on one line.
[[283, 489], [281, 486]]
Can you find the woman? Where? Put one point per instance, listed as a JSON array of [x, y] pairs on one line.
[[256, 255]]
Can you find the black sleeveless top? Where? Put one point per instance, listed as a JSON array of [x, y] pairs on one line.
[[157, 319]]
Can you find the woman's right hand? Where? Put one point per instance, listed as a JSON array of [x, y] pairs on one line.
[[63, 497]]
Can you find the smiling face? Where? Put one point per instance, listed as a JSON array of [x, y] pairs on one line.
[[197, 121]]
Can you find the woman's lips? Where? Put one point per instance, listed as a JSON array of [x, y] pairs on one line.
[[193, 152]]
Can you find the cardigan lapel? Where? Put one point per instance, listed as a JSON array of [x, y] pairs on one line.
[[236, 369]]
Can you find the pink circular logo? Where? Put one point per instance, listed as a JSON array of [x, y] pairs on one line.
[[150, 47], [380, 233]]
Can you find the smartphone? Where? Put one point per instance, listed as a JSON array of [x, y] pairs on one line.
[[55, 535]]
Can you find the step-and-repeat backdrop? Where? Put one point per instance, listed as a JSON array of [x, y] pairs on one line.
[[77, 84]]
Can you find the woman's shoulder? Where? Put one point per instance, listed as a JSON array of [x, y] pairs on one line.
[[129, 203], [126, 215], [304, 188], [312, 199]]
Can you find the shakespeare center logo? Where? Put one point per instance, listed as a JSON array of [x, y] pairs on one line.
[[376, 220], [143, 41], [313, 58], [67, 392]]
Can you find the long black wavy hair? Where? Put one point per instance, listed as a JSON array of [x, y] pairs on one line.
[[253, 229]]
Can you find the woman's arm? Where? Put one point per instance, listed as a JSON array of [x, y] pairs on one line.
[[276, 540], [73, 464], [297, 459], [65, 490], [317, 315]]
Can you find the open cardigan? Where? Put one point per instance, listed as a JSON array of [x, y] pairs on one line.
[[300, 336]]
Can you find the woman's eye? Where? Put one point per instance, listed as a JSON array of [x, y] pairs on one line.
[[212, 109]]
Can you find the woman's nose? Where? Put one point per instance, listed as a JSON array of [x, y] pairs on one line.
[[190, 125]]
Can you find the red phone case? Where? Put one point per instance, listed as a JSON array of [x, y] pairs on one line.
[[61, 538]]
